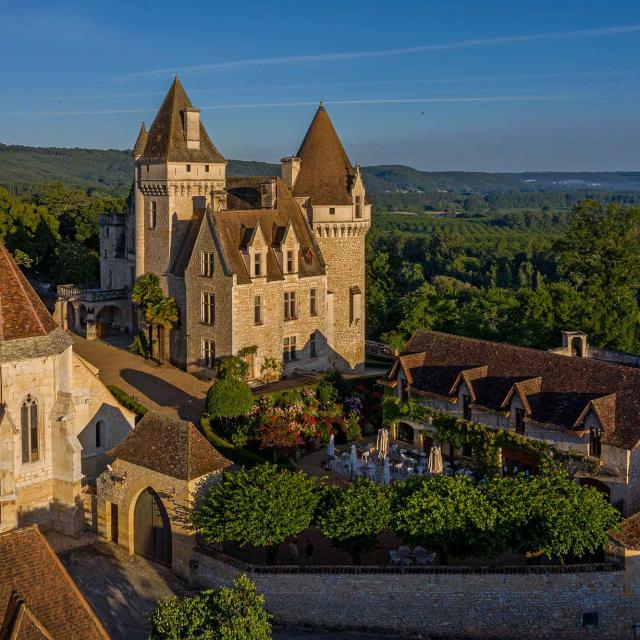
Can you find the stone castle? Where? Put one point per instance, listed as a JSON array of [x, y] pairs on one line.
[[271, 267]]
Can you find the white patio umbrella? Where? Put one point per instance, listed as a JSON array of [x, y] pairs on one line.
[[331, 447], [435, 466], [353, 459], [386, 472]]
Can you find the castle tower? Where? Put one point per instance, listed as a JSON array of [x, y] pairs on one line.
[[332, 192], [177, 167]]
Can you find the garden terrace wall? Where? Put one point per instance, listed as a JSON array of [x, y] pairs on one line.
[[533, 602]]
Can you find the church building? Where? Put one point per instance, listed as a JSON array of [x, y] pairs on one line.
[[57, 420], [272, 267]]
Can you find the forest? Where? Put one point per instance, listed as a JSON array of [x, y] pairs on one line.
[[512, 266], [520, 277]]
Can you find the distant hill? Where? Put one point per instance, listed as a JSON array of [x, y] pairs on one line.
[[110, 171]]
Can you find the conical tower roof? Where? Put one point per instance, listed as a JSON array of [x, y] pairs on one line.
[[22, 313], [167, 141], [141, 142], [326, 174]]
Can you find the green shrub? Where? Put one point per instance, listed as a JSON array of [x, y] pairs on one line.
[[229, 398], [326, 394], [228, 449], [140, 345], [342, 386], [351, 427], [225, 613], [127, 401]]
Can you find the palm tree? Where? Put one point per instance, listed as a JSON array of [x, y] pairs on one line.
[[164, 315], [147, 292]]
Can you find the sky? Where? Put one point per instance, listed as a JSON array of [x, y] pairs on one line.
[[437, 85]]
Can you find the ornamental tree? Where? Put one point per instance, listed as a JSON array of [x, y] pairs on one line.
[[228, 399], [277, 432], [353, 518], [451, 515], [226, 613], [261, 506]]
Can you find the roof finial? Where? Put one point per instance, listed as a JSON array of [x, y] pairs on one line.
[[321, 105]]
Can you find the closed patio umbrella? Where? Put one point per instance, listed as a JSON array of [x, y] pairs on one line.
[[384, 442], [331, 448], [386, 472], [353, 460], [435, 466]]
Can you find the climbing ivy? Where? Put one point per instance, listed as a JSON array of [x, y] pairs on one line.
[[486, 442]]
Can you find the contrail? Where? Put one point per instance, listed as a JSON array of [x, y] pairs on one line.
[[378, 53], [268, 105]]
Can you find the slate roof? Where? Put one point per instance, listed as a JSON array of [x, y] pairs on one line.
[[559, 390], [236, 226], [628, 532], [22, 313], [38, 598], [170, 446], [166, 139], [141, 141], [326, 174]]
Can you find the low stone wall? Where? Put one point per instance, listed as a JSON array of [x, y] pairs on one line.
[[453, 602]]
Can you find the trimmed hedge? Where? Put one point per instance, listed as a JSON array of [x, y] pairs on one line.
[[228, 449], [127, 401]]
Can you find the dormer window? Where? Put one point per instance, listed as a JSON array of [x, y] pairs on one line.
[[595, 441], [520, 421], [291, 265], [466, 407], [257, 265]]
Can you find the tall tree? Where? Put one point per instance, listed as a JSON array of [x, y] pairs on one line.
[[147, 293]]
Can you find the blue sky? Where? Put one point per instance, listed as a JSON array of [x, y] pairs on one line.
[[486, 86]]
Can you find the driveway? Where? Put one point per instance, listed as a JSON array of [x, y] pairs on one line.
[[159, 387]]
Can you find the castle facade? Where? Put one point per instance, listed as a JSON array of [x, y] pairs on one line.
[[272, 267]]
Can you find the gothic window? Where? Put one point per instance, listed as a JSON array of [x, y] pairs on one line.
[[290, 305], [206, 264], [29, 424], [313, 302], [208, 303]]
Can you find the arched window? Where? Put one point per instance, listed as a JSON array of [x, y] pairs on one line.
[[99, 434], [29, 423]]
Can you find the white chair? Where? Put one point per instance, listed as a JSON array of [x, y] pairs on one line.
[[366, 456]]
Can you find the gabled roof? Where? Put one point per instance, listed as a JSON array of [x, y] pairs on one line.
[[22, 313], [38, 598], [166, 139], [326, 174], [141, 141], [468, 376], [557, 390], [170, 446]]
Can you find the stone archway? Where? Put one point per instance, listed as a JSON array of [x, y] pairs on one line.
[[598, 485], [151, 528], [82, 317], [109, 320]]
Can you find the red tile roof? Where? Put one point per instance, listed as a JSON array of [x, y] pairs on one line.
[[38, 598], [559, 390], [22, 313], [170, 446]]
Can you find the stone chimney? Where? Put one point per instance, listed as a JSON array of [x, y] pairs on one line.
[[191, 123], [290, 170], [268, 193]]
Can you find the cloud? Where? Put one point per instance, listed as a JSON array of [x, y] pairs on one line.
[[270, 105], [379, 53]]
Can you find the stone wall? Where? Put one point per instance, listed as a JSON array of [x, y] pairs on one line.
[[519, 602]]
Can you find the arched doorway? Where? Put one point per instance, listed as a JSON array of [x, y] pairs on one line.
[[598, 485], [151, 528], [109, 321], [82, 317]]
